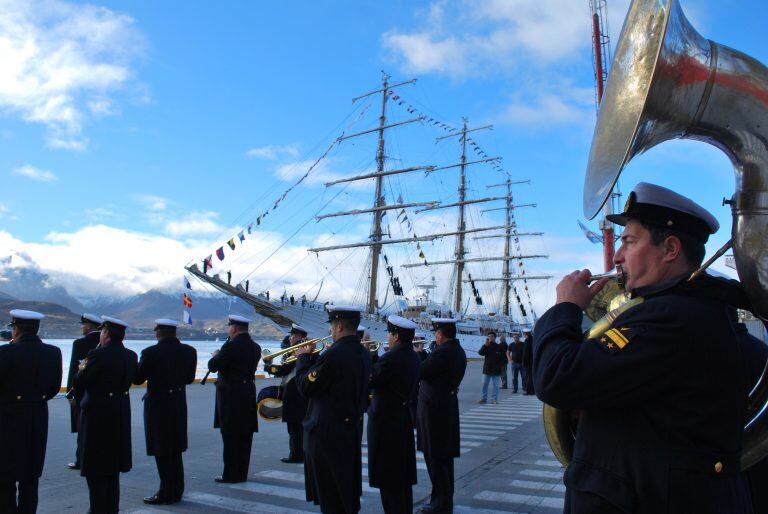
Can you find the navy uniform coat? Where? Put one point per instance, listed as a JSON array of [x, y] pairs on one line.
[[105, 412], [236, 365], [494, 357], [80, 348], [30, 375], [437, 412], [391, 450], [337, 388], [167, 367], [662, 405]]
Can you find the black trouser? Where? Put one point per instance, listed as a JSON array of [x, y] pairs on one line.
[[104, 493], [295, 441], [171, 471], [237, 455], [27, 502], [440, 471], [504, 376], [397, 500]]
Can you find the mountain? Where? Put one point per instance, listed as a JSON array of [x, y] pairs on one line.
[[29, 284], [59, 321]]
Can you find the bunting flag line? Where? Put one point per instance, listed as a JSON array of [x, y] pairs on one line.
[[241, 236], [231, 243], [220, 253], [187, 284], [187, 317], [187, 301]]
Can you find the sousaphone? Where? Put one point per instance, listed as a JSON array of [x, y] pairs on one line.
[[668, 82]]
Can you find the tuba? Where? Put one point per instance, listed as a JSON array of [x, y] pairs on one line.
[[668, 82]]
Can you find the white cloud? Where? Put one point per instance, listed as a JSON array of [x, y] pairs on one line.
[[194, 224], [563, 106], [60, 59], [153, 202], [35, 174], [272, 152], [321, 173]]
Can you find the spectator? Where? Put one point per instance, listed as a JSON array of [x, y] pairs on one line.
[[493, 354], [503, 344], [515, 357], [293, 300]]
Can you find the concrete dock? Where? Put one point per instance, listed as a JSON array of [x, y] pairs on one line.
[[506, 464]]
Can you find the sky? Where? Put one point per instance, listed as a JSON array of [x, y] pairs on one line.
[[139, 136]]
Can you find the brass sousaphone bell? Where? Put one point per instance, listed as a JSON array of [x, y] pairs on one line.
[[668, 82]]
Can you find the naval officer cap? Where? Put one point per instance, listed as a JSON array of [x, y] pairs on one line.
[[110, 322], [438, 323], [401, 324], [343, 312], [662, 207], [22, 317], [165, 324], [419, 335], [298, 329], [87, 317], [240, 321]]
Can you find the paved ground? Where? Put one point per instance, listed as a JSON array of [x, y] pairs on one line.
[[506, 465]]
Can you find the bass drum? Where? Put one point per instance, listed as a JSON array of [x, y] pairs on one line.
[[270, 403]]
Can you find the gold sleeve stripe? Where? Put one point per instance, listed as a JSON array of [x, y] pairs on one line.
[[617, 337]]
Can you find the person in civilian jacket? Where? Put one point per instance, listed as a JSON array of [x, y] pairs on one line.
[[105, 415], [515, 356], [236, 415], [90, 325], [493, 357], [167, 367], [30, 375], [528, 384], [439, 437], [337, 388], [294, 405], [661, 392], [391, 450]]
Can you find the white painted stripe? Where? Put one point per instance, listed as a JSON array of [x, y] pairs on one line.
[[470, 443], [548, 462], [495, 428], [490, 425], [479, 437], [480, 431], [462, 509], [235, 505], [418, 455], [490, 415], [419, 465], [521, 499], [282, 475], [541, 474], [539, 486], [149, 510], [271, 490]]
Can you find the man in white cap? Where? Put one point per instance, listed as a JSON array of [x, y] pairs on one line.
[[89, 325], [439, 437], [236, 414], [167, 367], [30, 373], [391, 451], [337, 387], [661, 391], [105, 415]]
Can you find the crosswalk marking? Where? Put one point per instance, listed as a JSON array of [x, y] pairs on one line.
[[480, 437], [541, 474], [481, 431], [462, 509], [522, 499], [530, 484], [548, 462], [271, 490], [235, 505]]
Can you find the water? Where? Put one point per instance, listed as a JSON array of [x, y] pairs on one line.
[[204, 351]]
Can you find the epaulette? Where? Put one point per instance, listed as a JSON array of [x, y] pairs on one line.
[[616, 339]]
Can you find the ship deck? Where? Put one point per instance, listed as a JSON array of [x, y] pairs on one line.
[[506, 464]]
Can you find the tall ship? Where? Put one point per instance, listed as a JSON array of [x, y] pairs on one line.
[[474, 270]]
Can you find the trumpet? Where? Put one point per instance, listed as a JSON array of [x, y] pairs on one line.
[[269, 357], [373, 346], [618, 274]]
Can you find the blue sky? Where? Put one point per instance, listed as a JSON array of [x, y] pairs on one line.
[[136, 136]]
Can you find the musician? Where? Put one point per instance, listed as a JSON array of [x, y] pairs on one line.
[[90, 325], [294, 405], [391, 450], [515, 357], [441, 374], [235, 413], [105, 415], [528, 384], [419, 339], [167, 367], [661, 393], [30, 375], [365, 340], [337, 388]]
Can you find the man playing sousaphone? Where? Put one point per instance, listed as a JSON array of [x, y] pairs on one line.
[[661, 391]]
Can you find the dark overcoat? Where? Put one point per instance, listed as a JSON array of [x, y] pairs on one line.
[[294, 404], [236, 363], [167, 367], [437, 412], [337, 388], [105, 412], [391, 450], [494, 357], [662, 401], [80, 348], [30, 375]]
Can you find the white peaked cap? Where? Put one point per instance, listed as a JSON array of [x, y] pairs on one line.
[[401, 322], [90, 318], [239, 319], [165, 322], [109, 320], [26, 315]]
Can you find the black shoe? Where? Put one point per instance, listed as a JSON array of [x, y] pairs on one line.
[[223, 480], [291, 460], [73, 465], [157, 500]]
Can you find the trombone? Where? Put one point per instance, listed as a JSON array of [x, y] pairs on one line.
[[269, 357]]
